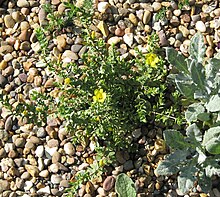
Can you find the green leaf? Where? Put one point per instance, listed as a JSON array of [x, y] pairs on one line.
[[197, 47], [198, 74], [204, 182], [204, 116], [213, 105], [187, 178], [212, 67], [185, 85], [211, 140], [124, 186], [193, 111], [193, 132], [175, 139], [212, 167], [176, 59], [170, 165]]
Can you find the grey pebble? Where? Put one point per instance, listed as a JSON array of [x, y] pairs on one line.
[[128, 165]]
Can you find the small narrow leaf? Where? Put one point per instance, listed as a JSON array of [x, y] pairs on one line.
[[176, 59], [193, 111], [214, 103], [124, 186], [197, 47], [175, 139]]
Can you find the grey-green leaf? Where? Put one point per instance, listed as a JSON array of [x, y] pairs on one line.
[[213, 105], [187, 178], [170, 165], [193, 111], [204, 116], [211, 140], [198, 74], [204, 182], [166, 168], [185, 85], [177, 60], [197, 47], [124, 186], [175, 139], [193, 132]]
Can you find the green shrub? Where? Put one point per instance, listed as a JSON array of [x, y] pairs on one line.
[[102, 97]]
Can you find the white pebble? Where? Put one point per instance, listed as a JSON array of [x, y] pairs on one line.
[[200, 26]]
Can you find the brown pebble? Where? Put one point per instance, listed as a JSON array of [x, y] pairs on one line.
[[108, 183], [119, 32]]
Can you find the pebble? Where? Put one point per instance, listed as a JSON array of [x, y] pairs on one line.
[[133, 19], [20, 142], [184, 31], [25, 176], [32, 170], [54, 168], [64, 183], [26, 46], [44, 190], [3, 81], [55, 179], [9, 21], [108, 183], [136, 133], [103, 6], [128, 165], [156, 6], [8, 57], [56, 157], [28, 185], [4, 185], [114, 40], [3, 65], [39, 151], [200, 26], [8, 123], [103, 28], [147, 17], [22, 3], [69, 148], [70, 55], [128, 39], [61, 42]]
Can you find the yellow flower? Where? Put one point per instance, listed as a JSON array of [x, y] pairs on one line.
[[93, 35], [97, 118], [25, 113], [67, 81], [38, 109], [101, 163], [110, 129], [100, 96], [152, 59]]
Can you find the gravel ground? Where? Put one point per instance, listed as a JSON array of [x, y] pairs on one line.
[[40, 161]]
